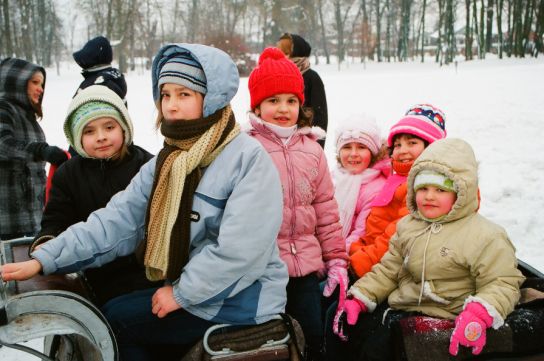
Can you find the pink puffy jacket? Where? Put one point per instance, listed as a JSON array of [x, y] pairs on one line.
[[310, 233], [367, 193]]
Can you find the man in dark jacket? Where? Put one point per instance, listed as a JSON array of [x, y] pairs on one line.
[[298, 51]]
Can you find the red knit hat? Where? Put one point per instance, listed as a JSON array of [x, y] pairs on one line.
[[275, 74]]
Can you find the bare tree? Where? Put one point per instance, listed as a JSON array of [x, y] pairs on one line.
[[489, 25]]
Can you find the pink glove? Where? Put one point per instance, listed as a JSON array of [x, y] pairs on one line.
[[353, 307], [336, 270], [337, 327], [470, 328]]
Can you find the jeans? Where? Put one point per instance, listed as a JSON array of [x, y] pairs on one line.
[[141, 335], [304, 304]]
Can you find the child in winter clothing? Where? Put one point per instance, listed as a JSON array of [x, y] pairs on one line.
[[198, 206], [360, 173], [310, 233], [99, 128], [95, 59], [445, 259], [23, 150], [420, 126]]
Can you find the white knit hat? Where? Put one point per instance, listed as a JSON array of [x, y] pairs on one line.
[[92, 103], [360, 128]]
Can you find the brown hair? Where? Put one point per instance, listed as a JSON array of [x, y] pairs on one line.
[[407, 135], [285, 44], [305, 117], [160, 117]]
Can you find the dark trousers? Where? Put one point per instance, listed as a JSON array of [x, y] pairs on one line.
[[304, 304], [368, 340], [141, 335]]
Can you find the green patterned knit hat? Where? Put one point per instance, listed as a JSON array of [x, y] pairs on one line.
[[433, 178], [95, 102]]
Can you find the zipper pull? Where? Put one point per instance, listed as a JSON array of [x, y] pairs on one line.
[[293, 249]]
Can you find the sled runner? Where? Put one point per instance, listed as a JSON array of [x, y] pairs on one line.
[[54, 308], [280, 339]]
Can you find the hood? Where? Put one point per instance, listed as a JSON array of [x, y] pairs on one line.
[[221, 73], [301, 48], [14, 77], [455, 159]]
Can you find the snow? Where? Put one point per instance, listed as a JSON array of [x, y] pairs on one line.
[[495, 105]]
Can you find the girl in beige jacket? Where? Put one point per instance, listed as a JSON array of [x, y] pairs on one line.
[[445, 260]]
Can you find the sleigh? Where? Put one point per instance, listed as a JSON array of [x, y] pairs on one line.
[[56, 308], [424, 338]]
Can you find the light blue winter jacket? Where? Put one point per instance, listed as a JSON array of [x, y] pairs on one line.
[[234, 274]]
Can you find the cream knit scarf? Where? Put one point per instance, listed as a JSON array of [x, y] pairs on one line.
[[189, 146]]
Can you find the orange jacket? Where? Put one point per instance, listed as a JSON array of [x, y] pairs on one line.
[[381, 224]]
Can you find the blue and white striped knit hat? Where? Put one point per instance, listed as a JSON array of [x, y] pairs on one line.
[[184, 70]]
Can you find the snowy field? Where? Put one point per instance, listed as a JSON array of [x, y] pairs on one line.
[[495, 105]]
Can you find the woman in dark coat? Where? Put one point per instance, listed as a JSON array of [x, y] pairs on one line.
[[23, 150]]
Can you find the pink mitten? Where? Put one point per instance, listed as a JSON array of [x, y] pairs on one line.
[[352, 308], [336, 270], [470, 328]]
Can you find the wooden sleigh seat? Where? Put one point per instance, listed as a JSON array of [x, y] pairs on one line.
[[425, 338], [53, 307]]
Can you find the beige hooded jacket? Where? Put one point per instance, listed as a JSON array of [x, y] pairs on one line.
[[438, 267]]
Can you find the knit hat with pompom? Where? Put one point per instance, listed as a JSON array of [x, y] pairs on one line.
[[422, 120], [274, 74]]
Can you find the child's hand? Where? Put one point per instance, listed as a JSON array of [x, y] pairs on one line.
[[353, 308], [336, 271], [470, 328], [163, 301], [20, 271]]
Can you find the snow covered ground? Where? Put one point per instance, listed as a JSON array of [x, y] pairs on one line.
[[496, 105]]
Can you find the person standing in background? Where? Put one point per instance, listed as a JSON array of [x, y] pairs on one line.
[[298, 51], [23, 150]]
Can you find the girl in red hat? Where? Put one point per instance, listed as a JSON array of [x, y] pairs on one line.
[[310, 238]]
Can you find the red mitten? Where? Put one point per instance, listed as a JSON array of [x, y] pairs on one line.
[[353, 307], [470, 328]]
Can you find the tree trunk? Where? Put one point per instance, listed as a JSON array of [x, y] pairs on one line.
[[499, 5], [422, 32], [540, 28], [6, 30], [378, 30], [489, 26], [323, 36], [468, 32]]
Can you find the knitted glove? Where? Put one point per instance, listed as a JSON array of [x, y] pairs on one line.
[[336, 271], [470, 328], [49, 153], [353, 307]]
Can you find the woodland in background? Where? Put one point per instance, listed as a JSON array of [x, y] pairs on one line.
[[44, 31]]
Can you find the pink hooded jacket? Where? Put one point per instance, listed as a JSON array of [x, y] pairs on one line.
[[310, 233], [369, 189]]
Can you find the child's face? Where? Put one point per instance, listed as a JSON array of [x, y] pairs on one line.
[[280, 109], [355, 157], [34, 88], [433, 202], [180, 103], [407, 149], [102, 138]]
